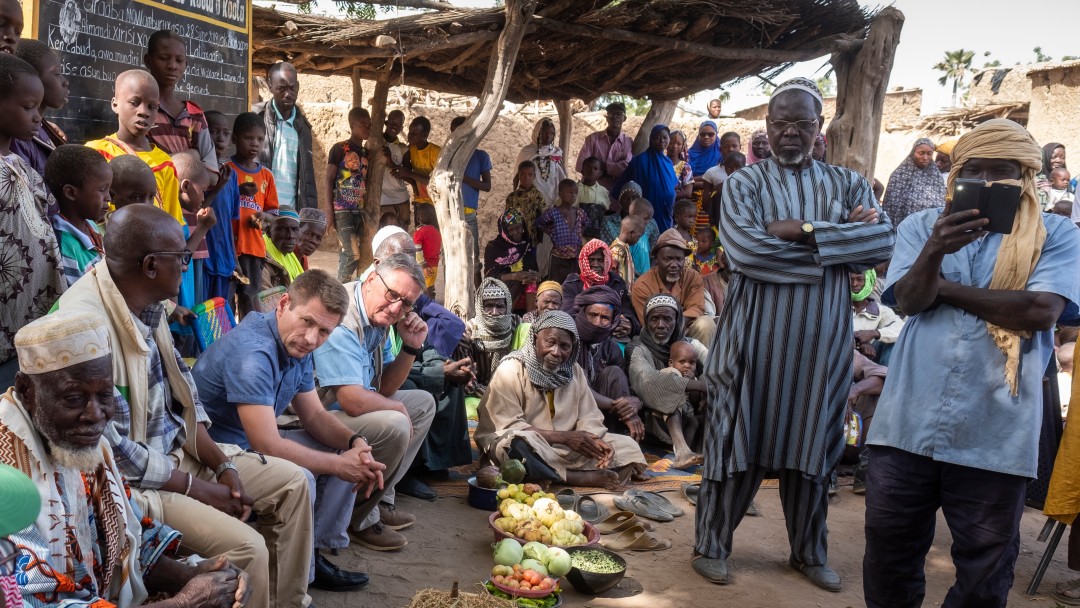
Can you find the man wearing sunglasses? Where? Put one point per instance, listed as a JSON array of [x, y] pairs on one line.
[[159, 433], [360, 375]]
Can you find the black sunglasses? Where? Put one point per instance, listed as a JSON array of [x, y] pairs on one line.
[[185, 256]]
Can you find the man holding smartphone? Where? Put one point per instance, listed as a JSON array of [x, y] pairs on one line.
[[957, 425]]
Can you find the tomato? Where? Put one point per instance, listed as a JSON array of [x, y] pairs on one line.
[[546, 583]]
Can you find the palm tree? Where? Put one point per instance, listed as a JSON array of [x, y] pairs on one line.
[[955, 68]]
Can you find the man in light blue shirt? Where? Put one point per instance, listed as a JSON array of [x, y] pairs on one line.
[[288, 140], [957, 426], [359, 375]]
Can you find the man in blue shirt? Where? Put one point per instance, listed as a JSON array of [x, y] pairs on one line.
[[477, 178], [957, 426], [362, 377], [249, 376]]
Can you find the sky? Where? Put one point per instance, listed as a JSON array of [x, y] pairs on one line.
[[931, 28]]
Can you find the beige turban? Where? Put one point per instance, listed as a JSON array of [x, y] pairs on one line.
[[1019, 251], [61, 340]]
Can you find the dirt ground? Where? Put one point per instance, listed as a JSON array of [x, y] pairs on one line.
[[451, 541]]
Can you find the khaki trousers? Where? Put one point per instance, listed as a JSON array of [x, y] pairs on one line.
[[277, 556]]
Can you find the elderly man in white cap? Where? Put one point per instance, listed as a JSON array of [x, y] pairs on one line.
[[780, 368], [51, 429]]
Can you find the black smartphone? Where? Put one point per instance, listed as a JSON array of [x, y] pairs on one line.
[[997, 202]]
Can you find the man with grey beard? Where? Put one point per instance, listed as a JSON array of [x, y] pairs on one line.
[[670, 275], [779, 372], [91, 544]]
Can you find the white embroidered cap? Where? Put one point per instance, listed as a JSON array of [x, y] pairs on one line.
[[61, 340]]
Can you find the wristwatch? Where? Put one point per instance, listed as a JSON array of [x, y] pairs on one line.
[[224, 467], [353, 439], [807, 230], [405, 348]]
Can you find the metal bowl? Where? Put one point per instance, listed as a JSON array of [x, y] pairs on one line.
[[594, 583]]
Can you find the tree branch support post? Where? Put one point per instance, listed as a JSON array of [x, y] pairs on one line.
[[459, 148], [862, 79], [376, 162], [660, 113], [566, 129], [357, 89]]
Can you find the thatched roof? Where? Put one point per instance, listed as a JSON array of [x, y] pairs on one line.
[[953, 121], [661, 49]]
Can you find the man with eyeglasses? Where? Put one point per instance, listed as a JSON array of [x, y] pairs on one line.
[[288, 140], [159, 433], [360, 376], [781, 364], [614, 148]]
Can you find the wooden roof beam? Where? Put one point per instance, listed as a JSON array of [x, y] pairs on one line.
[[695, 48], [314, 48]]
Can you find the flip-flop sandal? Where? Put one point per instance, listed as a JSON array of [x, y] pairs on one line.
[[590, 510], [568, 499], [620, 520], [661, 502], [637, 538], [690, 491], [1064, 599], [640, 505]]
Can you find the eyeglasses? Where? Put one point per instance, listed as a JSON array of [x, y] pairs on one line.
[[8, 554], [801, 125], [185, 256], [393, 297]]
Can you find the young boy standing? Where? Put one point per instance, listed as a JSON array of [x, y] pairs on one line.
[[527, 200], [477, 179], [47, 64], [640, 251], [622, 262], [79, 180], [220, 241], [685, 215], [565, 224], [593, 198], [346, 188], [258, 196], [428, 245]]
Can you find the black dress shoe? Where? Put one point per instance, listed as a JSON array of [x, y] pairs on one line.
[[411, 486], [329, 577]]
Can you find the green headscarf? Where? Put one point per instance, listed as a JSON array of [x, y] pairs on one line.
[[868, 286]]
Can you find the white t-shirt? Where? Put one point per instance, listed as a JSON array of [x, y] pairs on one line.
[[394, 190], [715, 175]]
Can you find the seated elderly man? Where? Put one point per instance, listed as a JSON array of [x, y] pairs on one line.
[[602, 361], [595, 264], [669, 275], [495, 330], [249, 376], [90, 545], [877, 326], [281, 266], [312, 231], [159, 433], [549, 296], [539, 407], [669, 399], [359, 374]]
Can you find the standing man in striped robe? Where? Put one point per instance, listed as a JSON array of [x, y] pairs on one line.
[[781, 363]]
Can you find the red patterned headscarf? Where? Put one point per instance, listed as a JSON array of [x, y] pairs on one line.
[[588, 277]]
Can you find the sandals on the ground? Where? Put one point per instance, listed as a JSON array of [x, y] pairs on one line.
[[637, 538], [661, 502], [643, 506], [590, 510], [619, 521]]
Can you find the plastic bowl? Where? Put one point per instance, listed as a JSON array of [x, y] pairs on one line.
[[529, 594], [594, 583], [592, 535], [482, 498]]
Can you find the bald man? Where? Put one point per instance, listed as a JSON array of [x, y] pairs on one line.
[[159, 433]]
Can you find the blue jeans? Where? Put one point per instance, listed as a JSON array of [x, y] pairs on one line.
[[350, 231]]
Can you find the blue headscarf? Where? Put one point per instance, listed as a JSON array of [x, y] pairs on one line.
[[656, 174], [703, 158]]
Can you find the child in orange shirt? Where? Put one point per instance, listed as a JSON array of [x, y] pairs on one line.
[[258, 195]]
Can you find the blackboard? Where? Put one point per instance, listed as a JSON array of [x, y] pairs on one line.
[[99, 39]]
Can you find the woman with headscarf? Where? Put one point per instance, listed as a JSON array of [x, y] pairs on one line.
[[915, 185], [603, 362], [669, 415], [509, 257], [705, 153], [676, 151], [760, 149], [654, 171], [539, 407], [547, 156], [1053, 157], [594, 263]]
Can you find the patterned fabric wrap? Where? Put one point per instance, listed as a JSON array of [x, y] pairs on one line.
[[588, 277], [493, 332], [539, 377]]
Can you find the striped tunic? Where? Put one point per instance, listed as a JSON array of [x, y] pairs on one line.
[[780, 369]]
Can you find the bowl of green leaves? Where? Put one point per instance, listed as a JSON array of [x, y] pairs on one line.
[[594, 570]]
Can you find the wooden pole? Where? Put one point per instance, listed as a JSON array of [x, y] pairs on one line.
[[376, 162], [566, 128], [445, 185], [862, 78], [659, 114], [357, 89]]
